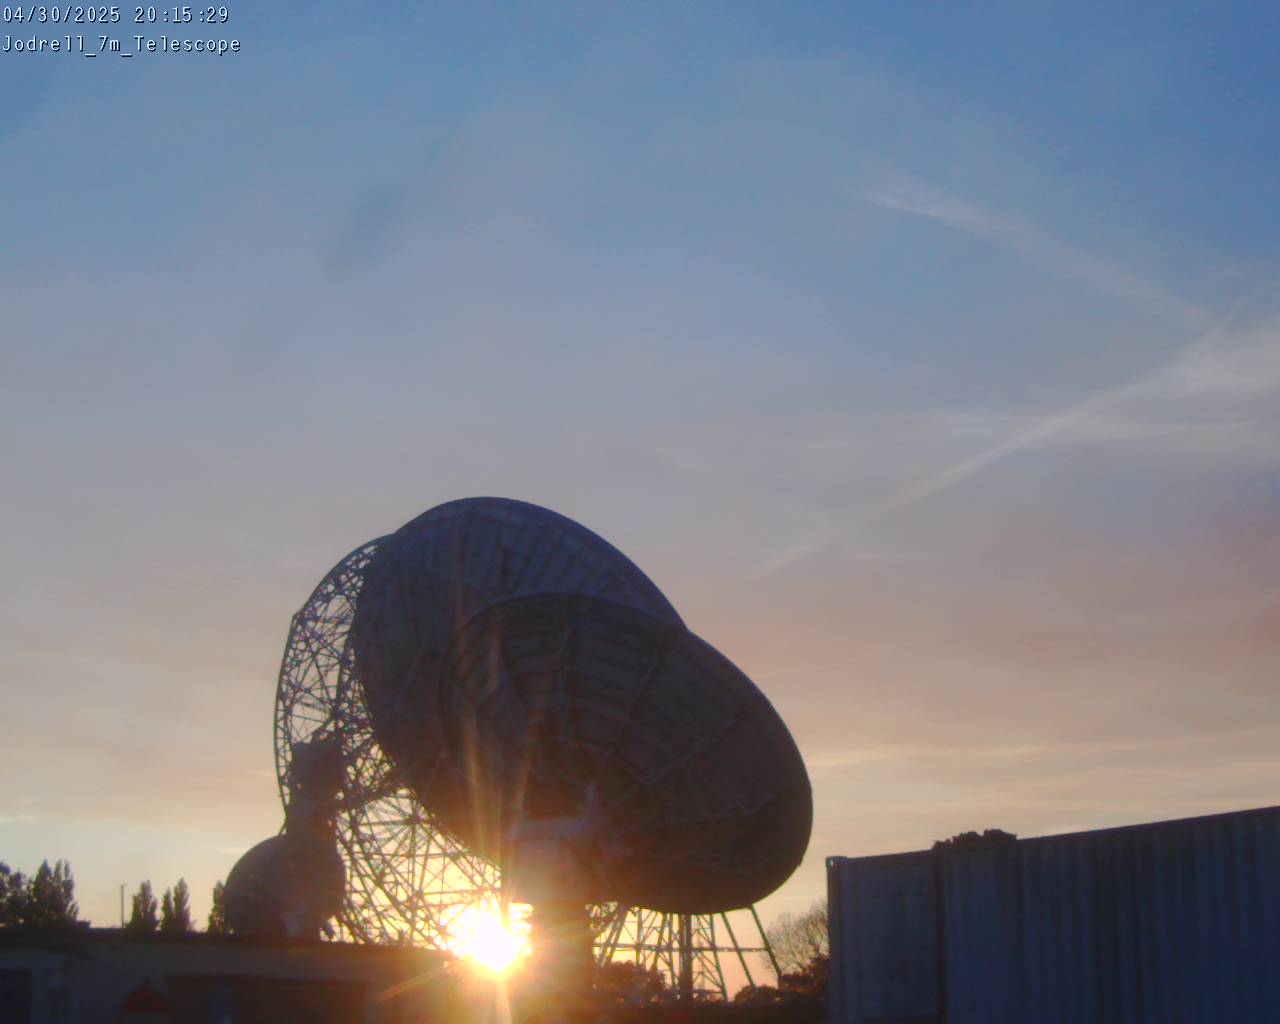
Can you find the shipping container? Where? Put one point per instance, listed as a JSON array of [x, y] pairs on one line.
[[1169, 923]]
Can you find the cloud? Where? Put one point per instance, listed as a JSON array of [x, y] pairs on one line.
[[906, 195], [1213, 398], [1237, 366], [1223, 439], [1094, 749]]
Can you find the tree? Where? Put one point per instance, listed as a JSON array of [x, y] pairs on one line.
[[182, 906], [143, 919], [13, 895], [628, 982], [175, 910], [972, 841], [51, 896], [757, 995], [218, 911], [811, 980], [800, 940]]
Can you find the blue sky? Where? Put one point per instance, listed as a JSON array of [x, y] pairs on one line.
[[928, 358]]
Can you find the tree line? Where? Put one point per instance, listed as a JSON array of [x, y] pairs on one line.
[[171, 915], [47, 898]]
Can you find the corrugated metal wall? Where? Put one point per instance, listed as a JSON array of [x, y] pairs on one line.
[[1174, 923]]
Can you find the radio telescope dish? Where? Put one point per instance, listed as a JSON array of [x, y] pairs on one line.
[[395, 653], [424, 582], [550, 701]]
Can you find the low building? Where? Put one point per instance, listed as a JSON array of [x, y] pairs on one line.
[[83, 975], [1170, 923]]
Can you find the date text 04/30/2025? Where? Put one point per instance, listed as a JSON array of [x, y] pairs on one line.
[[90, 46]]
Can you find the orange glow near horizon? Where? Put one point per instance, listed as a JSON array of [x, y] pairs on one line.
[[480, 935]]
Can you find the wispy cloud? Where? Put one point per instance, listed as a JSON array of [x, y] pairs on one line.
[[1214, 395], [1094, 748], [1221, 387], [799, 551], [907, 195]]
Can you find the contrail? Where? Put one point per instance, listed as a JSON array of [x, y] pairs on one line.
[[905, 195], [1177, 374]]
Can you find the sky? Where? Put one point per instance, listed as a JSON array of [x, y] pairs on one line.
[[927, 357]]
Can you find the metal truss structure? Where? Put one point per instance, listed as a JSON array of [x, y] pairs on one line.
[[408, 878], [689, 949]]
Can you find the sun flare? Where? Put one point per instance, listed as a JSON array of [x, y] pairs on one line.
[[480, 935]]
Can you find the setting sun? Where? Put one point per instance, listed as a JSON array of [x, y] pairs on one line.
[[482, 936]]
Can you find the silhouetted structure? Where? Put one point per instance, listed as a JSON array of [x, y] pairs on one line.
[[291, 885], [1171, 923], [107, 976], [508, 688]]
